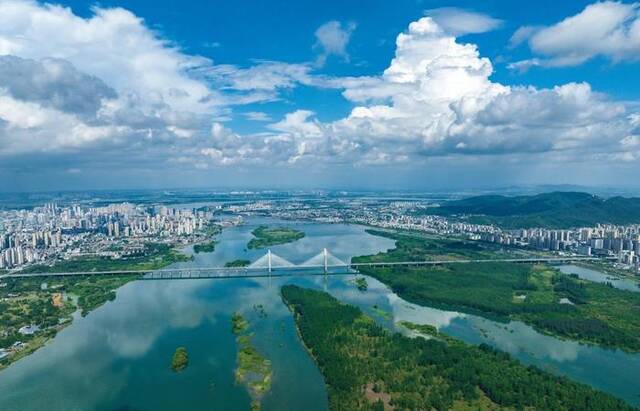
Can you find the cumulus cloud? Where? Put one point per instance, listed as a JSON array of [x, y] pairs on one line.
[[609, 29], [102, 82], [436, 99], [332, 38], [459, 22]]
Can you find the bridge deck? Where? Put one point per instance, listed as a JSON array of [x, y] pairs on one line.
[[228, 272]]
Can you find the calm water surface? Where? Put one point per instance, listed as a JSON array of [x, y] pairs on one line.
[[117, 358]]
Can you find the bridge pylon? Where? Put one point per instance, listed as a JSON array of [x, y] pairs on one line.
[[325, 258], [269, 260]]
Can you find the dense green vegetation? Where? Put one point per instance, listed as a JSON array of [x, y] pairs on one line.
[[237, 263], [268, 236], [180, 359], [156, 256], [553, 210], [208, 247], [596, 313], [253, 370], [367, 368], [424, 247]]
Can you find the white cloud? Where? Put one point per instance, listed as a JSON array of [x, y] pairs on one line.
[[521, 35], [436, 99], [332, 38], [257, 116], [459, 22], [441, 101], [107, 91], [524, 65], [264, 76], [68, 82], [113, 45], [609, 29]]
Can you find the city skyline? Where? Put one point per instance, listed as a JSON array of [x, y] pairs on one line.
[[410, 96]]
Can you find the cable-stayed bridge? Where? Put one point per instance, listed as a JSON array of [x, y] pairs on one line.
[[271, 264], [324, 260]]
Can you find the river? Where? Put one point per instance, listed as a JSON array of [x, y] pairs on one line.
[[118, 357]]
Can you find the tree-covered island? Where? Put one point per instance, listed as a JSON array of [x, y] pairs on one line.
[[268, 236], [207, 247], [180, 359]]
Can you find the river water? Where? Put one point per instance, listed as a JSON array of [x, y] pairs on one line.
[[118, 357], [600, 277]]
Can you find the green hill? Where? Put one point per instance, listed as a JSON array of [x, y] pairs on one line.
[[552, 210]]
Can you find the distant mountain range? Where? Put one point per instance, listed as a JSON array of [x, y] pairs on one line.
[[553, 210]]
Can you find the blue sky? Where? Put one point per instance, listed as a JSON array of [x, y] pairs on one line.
[[305, 94], [281, 30]]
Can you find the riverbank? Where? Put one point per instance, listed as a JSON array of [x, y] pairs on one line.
[[366, 367], [551, 302], [31, 313]]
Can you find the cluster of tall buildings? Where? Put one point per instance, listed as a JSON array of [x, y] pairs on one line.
[[539, 238], [16, 256], [179, 223], [28, 236], [603, 240], [17, 249]]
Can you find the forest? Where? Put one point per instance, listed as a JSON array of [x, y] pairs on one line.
[[594, 313], [366, 367], [551, 210]]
